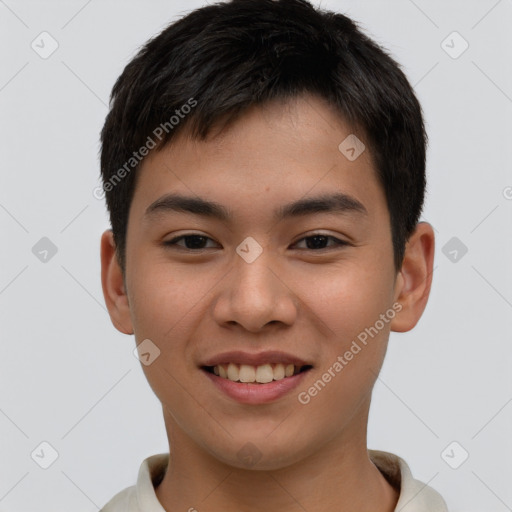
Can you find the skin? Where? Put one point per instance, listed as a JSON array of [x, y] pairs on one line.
[[309, 302]]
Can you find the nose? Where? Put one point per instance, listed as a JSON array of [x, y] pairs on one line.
[[255, 295]]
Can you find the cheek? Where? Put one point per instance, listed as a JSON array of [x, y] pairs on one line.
[[166, 306], [357, 310], [355, 303], [349, 298], [161, 298], [162, 308]]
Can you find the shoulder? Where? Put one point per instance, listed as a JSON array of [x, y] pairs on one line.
[[124, 501], [142, 496], [415, 496]]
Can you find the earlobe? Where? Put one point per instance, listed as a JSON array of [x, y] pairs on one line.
[[415, 278], [112, 282]]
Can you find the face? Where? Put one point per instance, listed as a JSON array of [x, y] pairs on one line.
[[261, 252]]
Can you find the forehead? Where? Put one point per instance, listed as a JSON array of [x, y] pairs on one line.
[[279, 151]]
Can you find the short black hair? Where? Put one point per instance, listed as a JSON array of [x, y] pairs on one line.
[[219, 60]]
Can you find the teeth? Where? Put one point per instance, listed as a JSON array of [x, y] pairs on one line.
[[247, 373], [264, 374], [279, 372], [261, 374], [233, 372]]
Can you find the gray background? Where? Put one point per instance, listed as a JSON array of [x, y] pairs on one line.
[[70, 379]]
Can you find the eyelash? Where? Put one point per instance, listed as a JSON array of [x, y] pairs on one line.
[[338, 242]]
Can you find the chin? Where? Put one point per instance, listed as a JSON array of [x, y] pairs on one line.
[[260, 453]]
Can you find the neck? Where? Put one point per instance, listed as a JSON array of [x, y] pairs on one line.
[[339, 476]]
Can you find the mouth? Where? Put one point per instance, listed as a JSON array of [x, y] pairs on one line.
[[255, 378], [256, 374]]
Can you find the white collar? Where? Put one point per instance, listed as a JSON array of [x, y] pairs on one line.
[[415, 496]]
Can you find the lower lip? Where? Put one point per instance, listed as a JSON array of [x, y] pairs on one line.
[[256, 393]]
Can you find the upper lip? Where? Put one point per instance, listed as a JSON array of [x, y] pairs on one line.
[[256, 359]]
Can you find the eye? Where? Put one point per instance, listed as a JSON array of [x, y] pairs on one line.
[[190, 242], [319, 241]]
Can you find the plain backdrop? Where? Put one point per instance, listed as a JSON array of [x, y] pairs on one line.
[[69, 379]]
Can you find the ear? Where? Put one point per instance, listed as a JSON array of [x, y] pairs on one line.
[[112, 282], [412, 287]]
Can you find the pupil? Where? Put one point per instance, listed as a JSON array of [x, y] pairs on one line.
[[195, 241], [316, 242]]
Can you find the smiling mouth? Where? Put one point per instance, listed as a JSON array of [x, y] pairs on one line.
[[261, 374]]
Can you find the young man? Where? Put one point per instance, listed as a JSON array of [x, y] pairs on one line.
[[264, 169]]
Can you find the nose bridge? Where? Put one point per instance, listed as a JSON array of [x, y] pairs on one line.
[[253, 281], [254, 295]]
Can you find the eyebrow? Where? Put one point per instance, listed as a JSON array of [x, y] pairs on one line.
[[326, 203]]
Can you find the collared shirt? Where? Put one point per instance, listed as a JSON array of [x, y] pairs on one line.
[[415, 496]]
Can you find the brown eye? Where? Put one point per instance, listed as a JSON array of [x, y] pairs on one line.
[[192, 242], [320, 241]]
